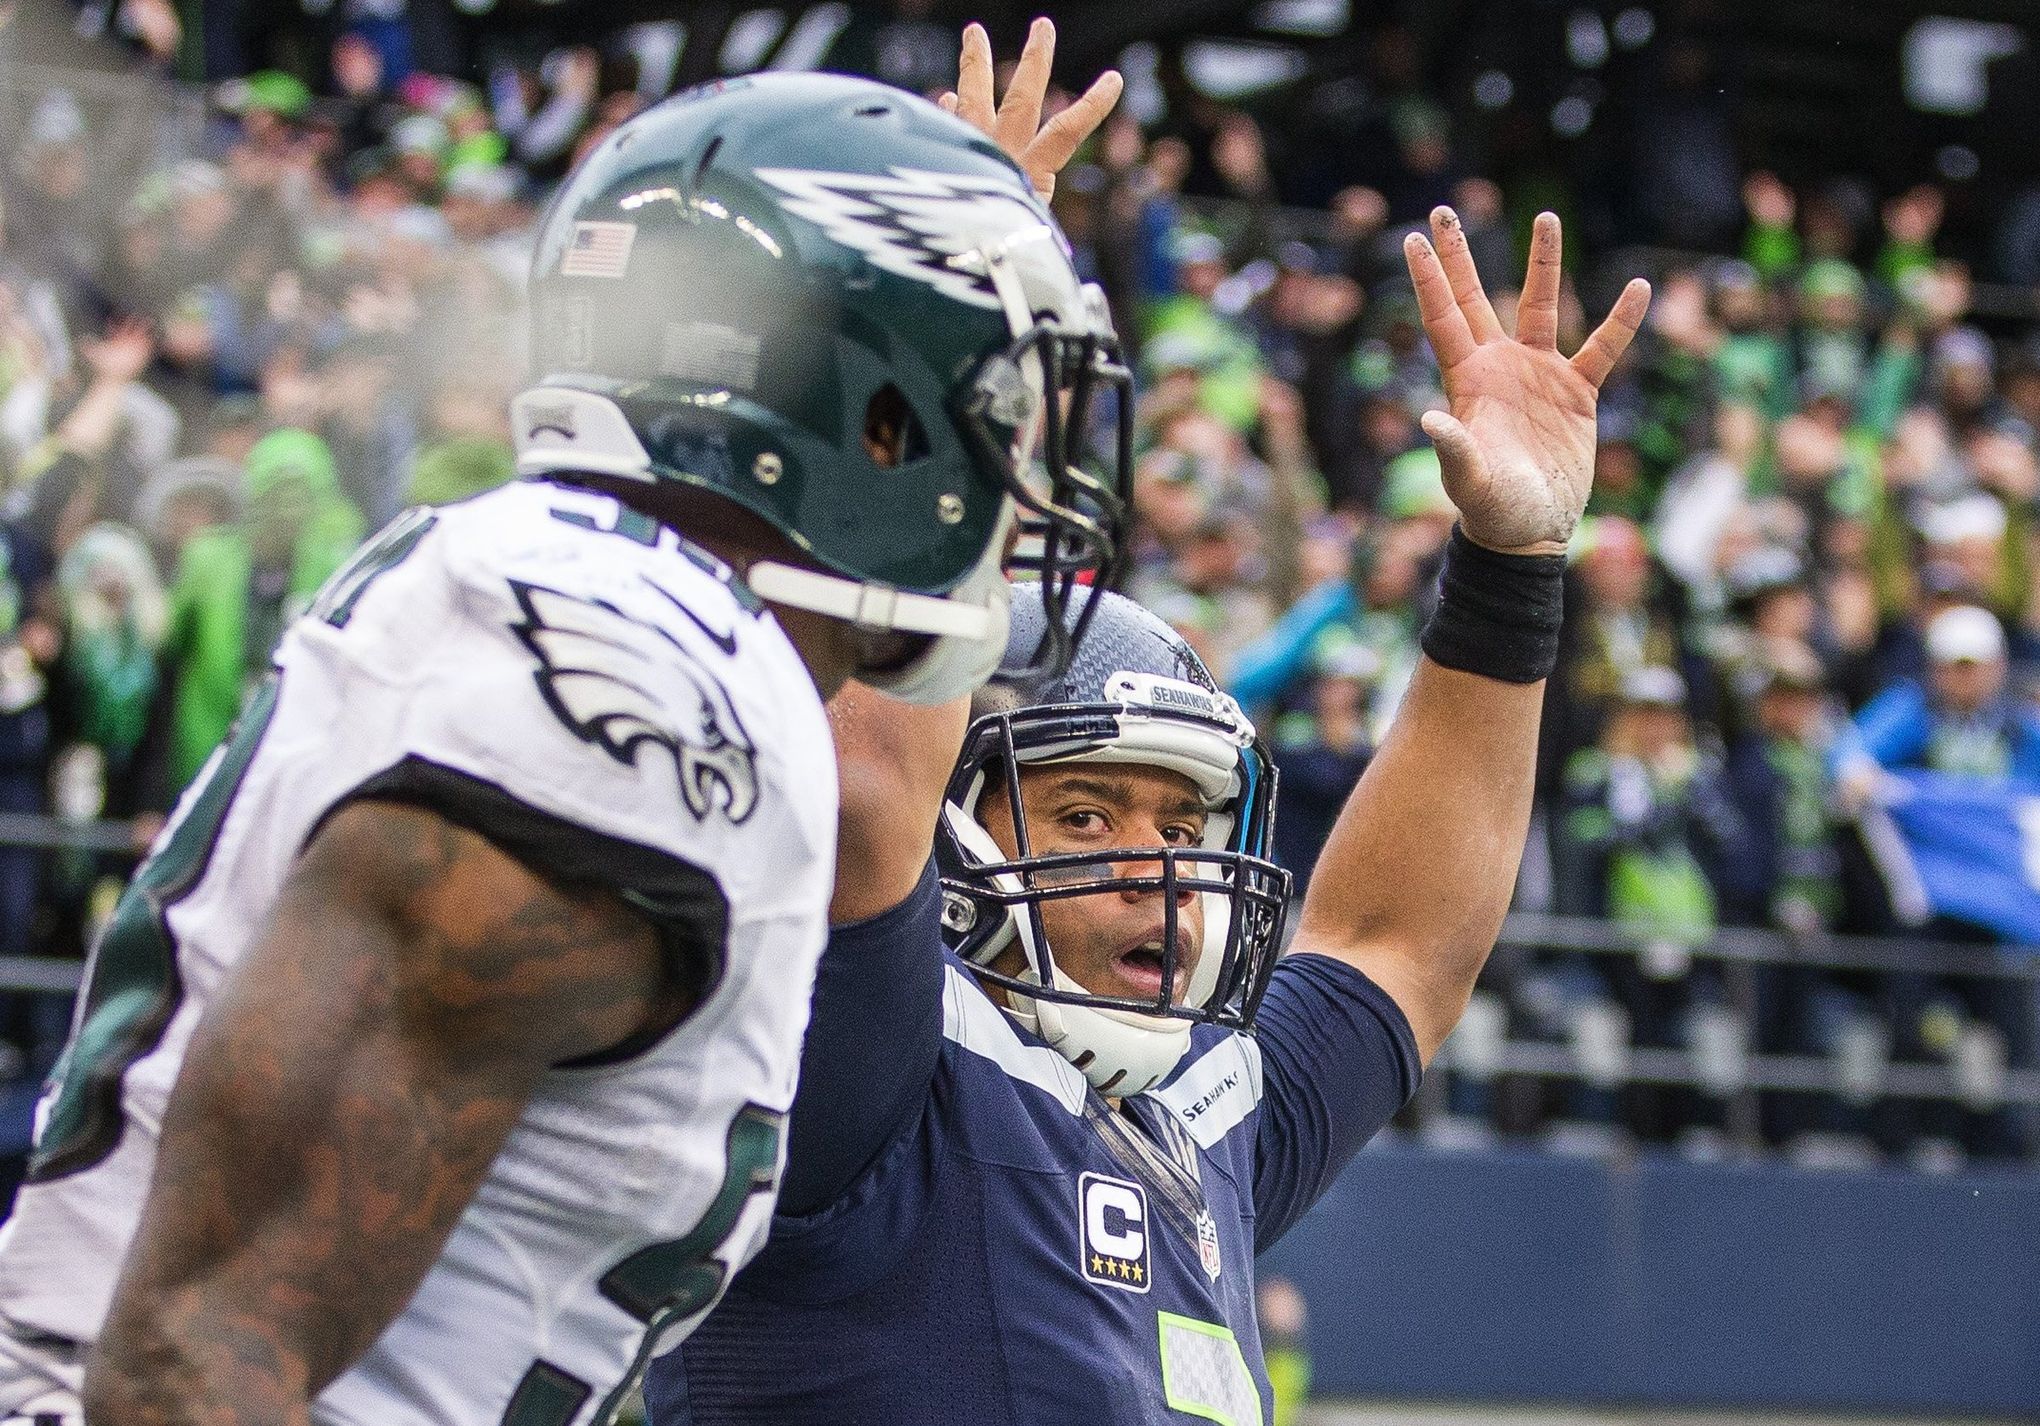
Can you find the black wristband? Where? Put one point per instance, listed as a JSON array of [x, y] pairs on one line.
[[1497, 615]]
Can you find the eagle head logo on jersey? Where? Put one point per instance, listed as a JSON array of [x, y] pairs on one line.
[[621, 683]]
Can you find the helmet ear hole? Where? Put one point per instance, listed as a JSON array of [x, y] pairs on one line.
[[893, 435]]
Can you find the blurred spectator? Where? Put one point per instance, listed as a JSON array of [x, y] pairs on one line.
[[1962, 721], [1321, 751], [1643, 817], [1372, 606], [1752, 363], [1643, 808], [37, 341], [115, 617], [1208, 590], [1198, 331], [30, 643], [183, 498], [1306, 324], [1423, 138], [1784, 869], [1284, 1319], [1703, 497], [1612, 630], [239, 584], [361, 105], [54, 209], [1360, 234], [1770, 602]]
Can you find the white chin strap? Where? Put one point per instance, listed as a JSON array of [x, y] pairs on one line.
[[558, 428], [874, 606], [954, 666], [1121, 1052], [968, 628]]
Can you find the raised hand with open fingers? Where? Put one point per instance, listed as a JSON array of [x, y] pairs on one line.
[[1518, 446], [1015, 122]]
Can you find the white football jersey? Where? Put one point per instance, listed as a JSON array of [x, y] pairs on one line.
[[598, 698]]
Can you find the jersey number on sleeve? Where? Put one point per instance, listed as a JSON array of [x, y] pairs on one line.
[[133, 987], [664, 1283]]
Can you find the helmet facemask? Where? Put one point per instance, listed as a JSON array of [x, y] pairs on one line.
[[1049, 382], [994, 901]]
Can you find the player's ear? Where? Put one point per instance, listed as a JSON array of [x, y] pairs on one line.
[[995, 812], [994, 807]]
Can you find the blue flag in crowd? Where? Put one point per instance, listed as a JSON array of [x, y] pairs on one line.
[[1966, 848]]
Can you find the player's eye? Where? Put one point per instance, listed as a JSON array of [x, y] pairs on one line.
[[1084, 819], [1180, 834]]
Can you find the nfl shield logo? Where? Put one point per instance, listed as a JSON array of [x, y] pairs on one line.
[[1207, 1244]]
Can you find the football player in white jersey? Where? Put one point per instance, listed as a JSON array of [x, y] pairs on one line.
[[433, 1068]]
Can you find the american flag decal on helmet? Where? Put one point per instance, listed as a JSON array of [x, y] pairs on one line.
[[598, 250]]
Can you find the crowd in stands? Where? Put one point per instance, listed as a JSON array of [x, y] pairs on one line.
[[1808, 560], [1810, 554]]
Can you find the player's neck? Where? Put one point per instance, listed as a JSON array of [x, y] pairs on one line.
[[740, 539], [1001, 997], [827, 646]]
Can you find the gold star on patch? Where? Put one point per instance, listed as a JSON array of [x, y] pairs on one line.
[[1097, 1263], [1137, 1273]]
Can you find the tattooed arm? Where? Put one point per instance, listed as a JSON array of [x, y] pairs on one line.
[[341, 1101]]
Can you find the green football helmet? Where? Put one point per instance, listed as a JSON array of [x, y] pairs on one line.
[[846, 311]]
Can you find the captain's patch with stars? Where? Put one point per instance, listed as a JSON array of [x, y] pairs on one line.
[[1112, 1216]]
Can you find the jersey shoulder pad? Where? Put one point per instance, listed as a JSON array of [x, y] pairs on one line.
[[1217, 1086], [622, 679], [613, 678]]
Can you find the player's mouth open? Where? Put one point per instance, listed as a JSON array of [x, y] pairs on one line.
[[1139, 966]]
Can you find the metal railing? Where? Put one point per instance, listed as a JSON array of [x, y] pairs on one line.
[[1730, 1067], [48, 975], [1758, 946]]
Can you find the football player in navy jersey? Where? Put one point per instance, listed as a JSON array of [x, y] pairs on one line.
[[1057, 1090]]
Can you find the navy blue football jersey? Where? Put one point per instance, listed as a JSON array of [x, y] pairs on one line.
[[969, 1232]]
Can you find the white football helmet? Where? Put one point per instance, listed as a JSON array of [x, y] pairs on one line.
[[1134, 693]]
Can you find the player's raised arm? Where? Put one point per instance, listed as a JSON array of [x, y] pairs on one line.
[[893, 760], [343, 1098], [892, 763], [1416, 877]]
